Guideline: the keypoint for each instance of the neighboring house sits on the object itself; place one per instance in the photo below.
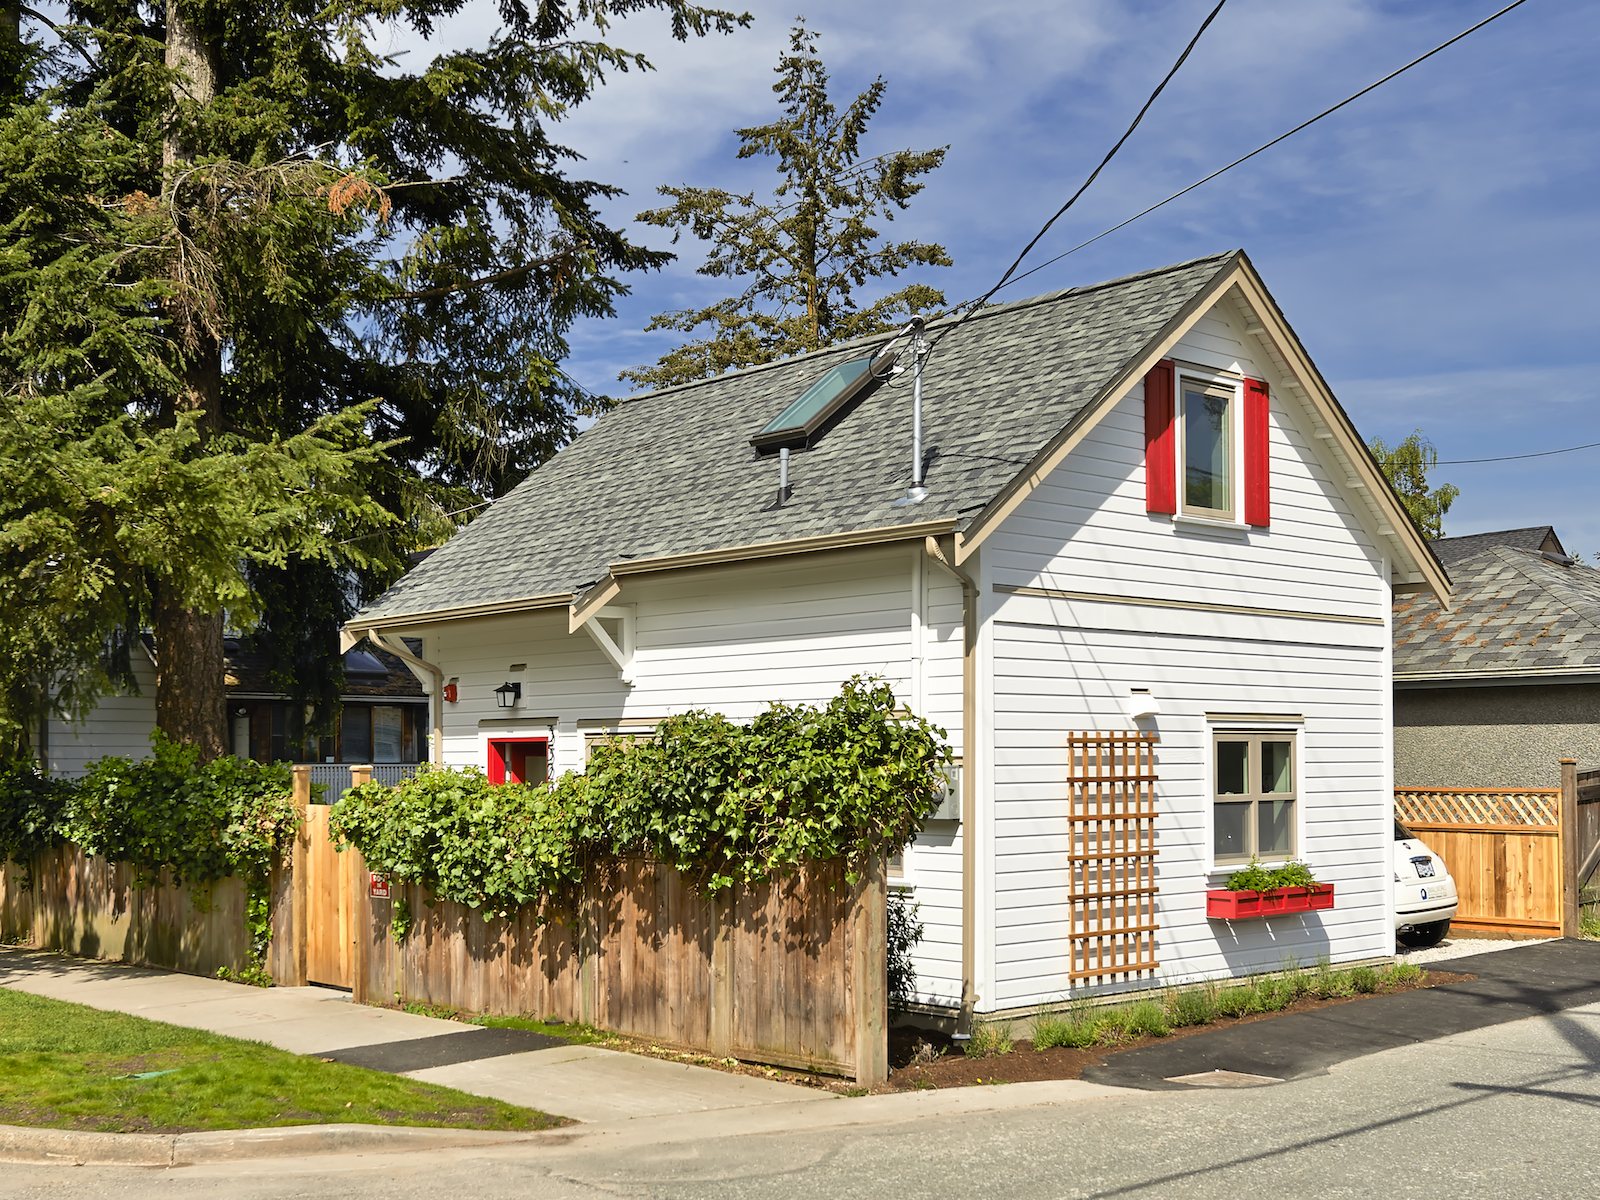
(1061, 574)
(383, 718)
(1496, 689)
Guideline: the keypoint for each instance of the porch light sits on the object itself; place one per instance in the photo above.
(508, 695)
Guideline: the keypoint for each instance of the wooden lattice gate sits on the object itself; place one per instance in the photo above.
(1502, 845)
(1111, 854)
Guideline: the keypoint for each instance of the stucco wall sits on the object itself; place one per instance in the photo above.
(1494, 736)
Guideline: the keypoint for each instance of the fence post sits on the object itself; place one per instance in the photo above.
(298, 896)
(1569, 847)
(360, 775)
(869, 932)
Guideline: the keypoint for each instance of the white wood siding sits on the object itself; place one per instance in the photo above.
(733, 640)
(1062, 664)
(119, 725)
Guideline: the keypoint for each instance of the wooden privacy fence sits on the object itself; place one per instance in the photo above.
(1503, 846)
(92, 908)
(790, 973)
(1111, 852)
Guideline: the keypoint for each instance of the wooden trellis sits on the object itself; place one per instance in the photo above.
(1479, 808)
(1111, 853)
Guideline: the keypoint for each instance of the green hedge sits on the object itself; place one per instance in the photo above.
(198, 823)
(852, 780)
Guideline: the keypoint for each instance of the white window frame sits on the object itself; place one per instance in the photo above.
(1214, 382)
(1290, 729)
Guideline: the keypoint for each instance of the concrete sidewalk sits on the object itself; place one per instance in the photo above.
(586, 1083)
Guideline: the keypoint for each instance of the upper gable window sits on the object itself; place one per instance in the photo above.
(805, 419)
(1208, 422)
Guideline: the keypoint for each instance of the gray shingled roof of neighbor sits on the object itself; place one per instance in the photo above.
(1514, 611)
(672, 472)
(1532, 537)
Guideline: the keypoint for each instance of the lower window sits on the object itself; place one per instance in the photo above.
(1253, 796)
(519, 760)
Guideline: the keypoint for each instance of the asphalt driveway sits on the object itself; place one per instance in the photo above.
(1508, 985)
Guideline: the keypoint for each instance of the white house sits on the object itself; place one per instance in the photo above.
(1058, 575)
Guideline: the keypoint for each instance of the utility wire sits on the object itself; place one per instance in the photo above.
(1327, 112)
(1461, 462)
(974, 305)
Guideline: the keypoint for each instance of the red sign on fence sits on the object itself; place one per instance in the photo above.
(377, 885)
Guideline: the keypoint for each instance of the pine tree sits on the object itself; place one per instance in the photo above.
(274, 302)
(806, 254)
(1406, 465)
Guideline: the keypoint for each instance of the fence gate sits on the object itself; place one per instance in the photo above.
(1502, 846)
(330, 899)
(1111, 853)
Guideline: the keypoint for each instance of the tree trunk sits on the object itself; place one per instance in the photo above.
(191, 705)
(190, 701)
(10, 50)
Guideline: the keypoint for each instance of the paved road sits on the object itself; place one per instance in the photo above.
(1505, 1110)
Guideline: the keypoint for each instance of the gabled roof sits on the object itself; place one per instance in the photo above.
(670, 478)
(1522, 609)
(1537, 538)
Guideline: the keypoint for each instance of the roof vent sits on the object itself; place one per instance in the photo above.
(803, 421)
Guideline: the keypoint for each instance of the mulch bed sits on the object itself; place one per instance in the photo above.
(911, 1068)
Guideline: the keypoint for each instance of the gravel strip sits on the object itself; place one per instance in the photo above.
(1454, 947)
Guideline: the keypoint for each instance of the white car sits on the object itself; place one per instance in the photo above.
(1424, 893)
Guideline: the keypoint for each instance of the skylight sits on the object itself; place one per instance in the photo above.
(798, 424)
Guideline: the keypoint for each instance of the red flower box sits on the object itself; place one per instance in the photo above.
(1221, 904)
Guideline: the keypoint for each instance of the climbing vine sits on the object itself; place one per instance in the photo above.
(724, 803)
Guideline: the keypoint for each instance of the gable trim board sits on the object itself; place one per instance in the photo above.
(1393, 523)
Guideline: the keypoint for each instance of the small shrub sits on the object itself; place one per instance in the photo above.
(904, 932)
(1401, 974)
(1256, 878)
(1364, 980)
(1325, 983)
(1192, 1006)
(1148, 1018)
(30, 804)
(1273, 994)
(1295, 982)
(988, 1041)
(1240, 1000)
(1076, 1029)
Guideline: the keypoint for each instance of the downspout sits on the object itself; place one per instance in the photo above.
(946, 558)
(426, 672)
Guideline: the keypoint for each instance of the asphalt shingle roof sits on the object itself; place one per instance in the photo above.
(672, 472)
(1532, 537)
(1515, 609)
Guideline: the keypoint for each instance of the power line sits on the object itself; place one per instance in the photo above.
(972, 306)
(1354, 96)
(1461, 462)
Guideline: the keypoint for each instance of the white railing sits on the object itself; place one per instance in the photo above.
(335, 777)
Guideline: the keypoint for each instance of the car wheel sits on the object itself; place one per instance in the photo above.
(1420, 937)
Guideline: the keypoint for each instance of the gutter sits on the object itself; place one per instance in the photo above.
(430, 675)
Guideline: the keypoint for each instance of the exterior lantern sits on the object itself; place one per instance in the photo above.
(508, 694)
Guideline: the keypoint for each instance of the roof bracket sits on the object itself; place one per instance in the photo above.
(617, 642)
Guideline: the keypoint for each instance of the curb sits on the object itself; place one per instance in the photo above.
(68, 1147)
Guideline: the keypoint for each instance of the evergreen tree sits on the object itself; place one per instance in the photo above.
(803, 255)
(242, 255)
(1406, 465)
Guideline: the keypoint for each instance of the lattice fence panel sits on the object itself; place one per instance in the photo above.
(1111, 782)
(1478, 806)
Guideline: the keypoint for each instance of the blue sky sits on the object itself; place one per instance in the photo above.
(1435, 245)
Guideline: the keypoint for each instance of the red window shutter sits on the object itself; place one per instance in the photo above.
(1257, 456)
(497, 762)
(1160, 447)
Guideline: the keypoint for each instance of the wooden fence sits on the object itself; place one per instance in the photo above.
(1502, 846)
(791, 973)
(92, 908)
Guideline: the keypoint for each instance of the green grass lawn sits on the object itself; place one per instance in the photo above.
(72, 1067)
